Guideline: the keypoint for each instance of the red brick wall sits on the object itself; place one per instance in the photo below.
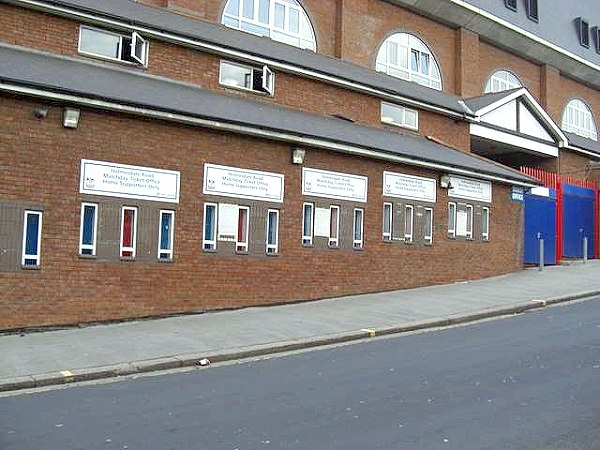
(45, 167)
(492, 58)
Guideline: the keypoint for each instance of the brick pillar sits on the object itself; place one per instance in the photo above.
(550, 91)
(468, 78)
(350, 27)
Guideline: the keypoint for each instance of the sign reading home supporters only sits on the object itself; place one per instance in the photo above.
(120, 180)
(409, 187)
(341, 186)
(243, 183)
(470, 189)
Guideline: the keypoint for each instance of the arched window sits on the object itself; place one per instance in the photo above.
(281, 20)
(577, 118)
(501, 80)
(405, 56)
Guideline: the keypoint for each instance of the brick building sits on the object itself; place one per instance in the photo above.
(166, 157)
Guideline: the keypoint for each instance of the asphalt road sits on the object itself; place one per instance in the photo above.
(525, 382)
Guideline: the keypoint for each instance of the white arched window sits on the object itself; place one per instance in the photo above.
(577, 118)
(281, 20)
(405, 56)
(501, 80)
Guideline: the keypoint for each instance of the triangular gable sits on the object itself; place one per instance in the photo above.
(518, 112)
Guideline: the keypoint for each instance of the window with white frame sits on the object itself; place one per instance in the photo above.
(88, 229)
(405, 56)
(387, 221)
(334, 226)
(243, 229)
(240, 76)
(357, 241)
(32, 238)
(399, 115)
(408, 223)
(502, 80)
(128, 231)
(307, 223)
(281, 20)
(469, 231)
(165, 235)
(578, 118)
(272, 231)
(485, 223)
(428, 225)
(209, 239)
(451, 220)
(131, 48)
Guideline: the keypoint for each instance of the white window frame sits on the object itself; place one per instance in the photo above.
(401, 111)
(358, 243)
(334, 241)
(578, 118)
(502, 80)
(394, 58)
(89, 247)
(210, 245)
(307, 239)
(303, 38)
(452, 220)
(136, 38)
(409, 210)
(26, 257)
(428, 238)
(388, 236)
(167, 252)
(122, 248)
(268, 78)
(485, 231)
(242, 246)
(272, 248)
(469, 231)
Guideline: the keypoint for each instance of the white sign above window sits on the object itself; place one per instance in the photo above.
(243, 183)
(119, 180)
(470, 189)
(341, 186)
(409, 187)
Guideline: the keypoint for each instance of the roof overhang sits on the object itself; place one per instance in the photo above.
(518, 122)
(460, 14)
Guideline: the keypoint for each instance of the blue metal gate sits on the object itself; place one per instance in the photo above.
(578, 221)
(540, 223)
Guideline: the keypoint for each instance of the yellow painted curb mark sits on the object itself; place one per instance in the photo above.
(67, 374)
(371, 332)
(543, 302)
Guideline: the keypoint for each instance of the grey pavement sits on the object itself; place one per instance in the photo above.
(100, 351)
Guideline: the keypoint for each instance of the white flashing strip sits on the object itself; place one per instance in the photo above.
(224, 51)
(523, 92)
(582, 151)
(525, 33)
(254, 131)
(511, 139)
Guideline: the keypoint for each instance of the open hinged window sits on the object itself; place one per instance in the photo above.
(240, 76)
(131, 48)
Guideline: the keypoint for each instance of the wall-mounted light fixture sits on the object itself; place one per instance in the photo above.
(445, 182)
(70, 118)
(298, 155)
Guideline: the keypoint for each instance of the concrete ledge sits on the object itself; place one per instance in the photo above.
(191, 360)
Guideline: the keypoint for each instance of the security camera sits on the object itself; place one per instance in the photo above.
(40, 113)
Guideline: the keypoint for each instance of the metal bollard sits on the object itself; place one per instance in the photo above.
(585, 249)
(541, 255)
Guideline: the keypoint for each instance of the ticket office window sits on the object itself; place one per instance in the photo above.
(232, 228)
(408, 222)
(333, 224)
(126, 230)
(468, 221)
